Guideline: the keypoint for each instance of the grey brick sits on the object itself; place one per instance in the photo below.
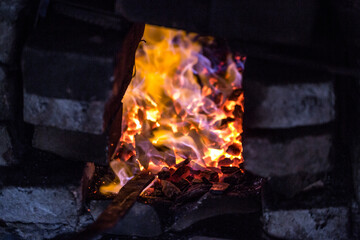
(65, 114)
(267, 158)
(141, 220)
(6, 151)
(10, 28)
(72, 145)
(44, 192)
(288, 105)
(8, 36)
(317, 223)
(10, 9)
(8, 95)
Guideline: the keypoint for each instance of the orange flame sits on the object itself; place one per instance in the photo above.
(177, 106)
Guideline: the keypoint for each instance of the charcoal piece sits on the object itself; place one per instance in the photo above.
(183, 163)
(182, 184)
(197, 181)
(181, 172)
(205, 181)
(169, 189)
(222, 124)
(211, 176)
(229, 170)
(214, 177)
(125, 151)
(189, 178)
(235, 94)
(219, 188)
(193, 193)
(225, 162)
(234, 149)
(235, 178)
(164, 174)
(195, 172)
(238, 112)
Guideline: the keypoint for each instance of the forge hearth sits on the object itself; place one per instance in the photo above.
(294, 173)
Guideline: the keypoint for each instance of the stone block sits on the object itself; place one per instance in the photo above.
(64, 114)
(10, 9)
(288, 105)
(72, 145)
(8, 36)
(6, 151)
(355, 218)
(8, 95)
(282, 96)
(10, 27)
(316, 223)
(355, 154)
(142, 220)
(269, 157)
(44, 191)
(68, 80)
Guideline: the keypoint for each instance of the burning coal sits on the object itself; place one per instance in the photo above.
(185, 103)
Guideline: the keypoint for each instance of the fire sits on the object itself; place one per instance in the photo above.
(185, 102)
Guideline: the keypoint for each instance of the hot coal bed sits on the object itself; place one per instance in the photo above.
(66, 65)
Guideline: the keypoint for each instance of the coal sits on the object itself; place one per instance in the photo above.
(164, 174)
(238, 112)
(169, 189)
(219, 188)
(193, 193)
(225, 162)
(229, 170)
(234, 149)
(235, 94)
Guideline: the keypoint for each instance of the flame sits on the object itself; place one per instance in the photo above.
(179, 105)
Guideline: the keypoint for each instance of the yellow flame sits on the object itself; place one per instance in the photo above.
(170, 101)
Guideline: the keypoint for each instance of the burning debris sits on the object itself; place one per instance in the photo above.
(182, 113)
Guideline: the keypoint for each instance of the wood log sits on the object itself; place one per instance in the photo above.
(118, 208)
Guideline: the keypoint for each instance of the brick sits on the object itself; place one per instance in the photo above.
(43, 191)
(8, 95)
(38, 231)
(11, 13)
(10, 9)
(288, 105)
(8, 36)
(355, 218)
(316, 223)
(279, 95)
(142, 220)
(68, 80)
(72, 145)
(64, 114)
(256, 21)
(355, 155)
(267, 157)
(6, 151)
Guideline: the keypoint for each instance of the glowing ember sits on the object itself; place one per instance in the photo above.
(185, 102)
